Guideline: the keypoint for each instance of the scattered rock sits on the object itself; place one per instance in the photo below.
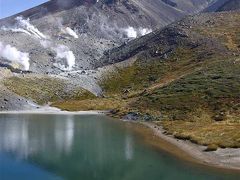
(133, 116)
(211, 147)
(114, 111)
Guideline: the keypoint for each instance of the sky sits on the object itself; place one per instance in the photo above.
(11, 7)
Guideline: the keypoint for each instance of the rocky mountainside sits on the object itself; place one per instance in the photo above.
(84, 29)
(58, 43)
(155, 8)
(224, 5)
(64, 40)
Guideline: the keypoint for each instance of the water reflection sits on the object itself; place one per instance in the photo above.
(87, 147)
(23, 137)
(129, 147)
(14, 137)
(64, 133)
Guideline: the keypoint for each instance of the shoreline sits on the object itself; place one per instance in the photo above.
(227, 159)
(49, 110)
(54, 112)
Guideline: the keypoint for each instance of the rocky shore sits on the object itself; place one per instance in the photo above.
(228, 158)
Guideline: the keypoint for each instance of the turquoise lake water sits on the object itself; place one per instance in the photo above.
(86, 147)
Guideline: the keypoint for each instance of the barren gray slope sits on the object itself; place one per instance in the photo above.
(101, 26)
(224, 5)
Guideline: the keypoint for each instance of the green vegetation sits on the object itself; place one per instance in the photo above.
(90, 104)
(193, 90)
(136, 77)
(206, 132)
(201, 106)
(45, 89)
(144, 73)
(215, 88)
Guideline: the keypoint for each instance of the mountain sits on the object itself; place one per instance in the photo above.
(185, 77)
(165, 10)
(60, 35)
(129, 56)
(100, 26)
(224, 5)
(63, 43)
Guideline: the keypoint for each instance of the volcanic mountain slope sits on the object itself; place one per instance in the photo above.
(160, 10)
(224, 5)
(65, 39)
(230, 5)
(187, 76)
(88, 28)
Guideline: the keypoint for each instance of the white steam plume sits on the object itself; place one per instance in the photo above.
(103, 27)
(66, 30)
(134, 33)
(12, 54)
(46, 43)
(16, 30)
(131, 32)
(63, 52)
(144, 31)
(71, 32)
(25, 24)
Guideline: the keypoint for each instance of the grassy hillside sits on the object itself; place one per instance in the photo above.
(214, 88)
(186, 78)
(45, 89)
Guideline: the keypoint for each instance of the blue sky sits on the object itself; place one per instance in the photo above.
(11, 7)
